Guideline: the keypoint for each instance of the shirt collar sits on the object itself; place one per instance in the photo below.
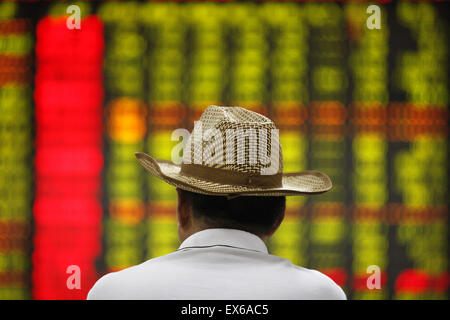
(225, 237)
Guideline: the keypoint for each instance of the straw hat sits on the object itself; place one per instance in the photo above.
(232, 152)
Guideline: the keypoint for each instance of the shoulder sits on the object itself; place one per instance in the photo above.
(322, 287)
(121, 284)
(309, 283)
(102, 288)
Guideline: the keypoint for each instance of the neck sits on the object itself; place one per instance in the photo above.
(197, 227)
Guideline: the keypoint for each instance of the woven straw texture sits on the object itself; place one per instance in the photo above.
(243, 143)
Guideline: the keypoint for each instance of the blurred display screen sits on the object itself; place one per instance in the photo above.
(366, 105)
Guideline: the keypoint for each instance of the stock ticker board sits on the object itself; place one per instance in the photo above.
(367, 106)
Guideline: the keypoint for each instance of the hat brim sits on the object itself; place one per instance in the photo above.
(298, 183)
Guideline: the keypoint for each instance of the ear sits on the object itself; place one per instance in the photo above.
(276, 225)
(183, 209)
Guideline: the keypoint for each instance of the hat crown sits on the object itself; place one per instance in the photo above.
(235, 139)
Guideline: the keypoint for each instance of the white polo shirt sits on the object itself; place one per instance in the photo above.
(217, 264)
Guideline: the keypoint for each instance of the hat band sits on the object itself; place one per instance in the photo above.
(230, 177)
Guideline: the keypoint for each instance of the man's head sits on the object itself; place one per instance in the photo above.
(260, 215)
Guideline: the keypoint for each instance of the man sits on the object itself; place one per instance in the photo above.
(231, 198)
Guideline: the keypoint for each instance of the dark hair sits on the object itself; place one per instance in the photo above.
(255, 214)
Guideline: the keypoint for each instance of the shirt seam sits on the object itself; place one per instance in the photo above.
(219, 245)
